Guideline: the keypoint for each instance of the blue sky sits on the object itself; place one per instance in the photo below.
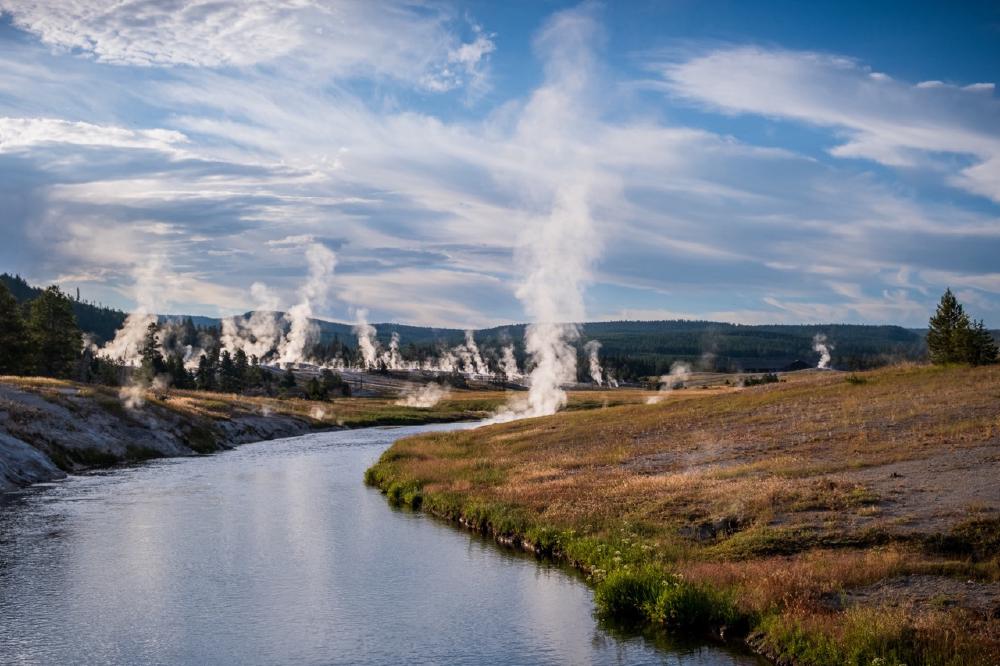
(752, 162)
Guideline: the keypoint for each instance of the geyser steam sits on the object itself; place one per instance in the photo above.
(127, 343)
(260, 333)
(367, 345)
(823, 348)
(680, 372)
(592, 349)
(555, 253)
(302, 332)
(422, 397)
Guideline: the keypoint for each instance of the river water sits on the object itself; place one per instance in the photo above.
(276, 553)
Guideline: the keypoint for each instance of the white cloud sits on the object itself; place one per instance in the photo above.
(879, 118)
(347, 38)
(23, 133)
(250, 164)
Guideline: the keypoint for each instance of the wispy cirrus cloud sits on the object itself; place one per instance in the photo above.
(116, 144)
(875, 116)
(346, 39)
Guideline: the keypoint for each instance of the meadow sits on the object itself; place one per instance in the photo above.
(830, 518)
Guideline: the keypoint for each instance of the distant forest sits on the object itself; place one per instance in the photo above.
(631, 350)
(99, 321)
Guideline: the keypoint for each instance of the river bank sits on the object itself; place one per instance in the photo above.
(49, 428)
(828, 519)
(276, 553)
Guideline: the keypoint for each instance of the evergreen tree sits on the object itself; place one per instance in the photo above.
(54, 337)
(229, 381)
(152, 362)
(288, 379)
(254, 374)
(13, 335)
(241, 369)
(179, 375)
(266, 380)
(315, 390)
(983, 348)
(948, 331)
(188, 333)
(104, 371)
(207, 364)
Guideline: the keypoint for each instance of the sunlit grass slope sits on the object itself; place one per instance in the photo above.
(828, 519)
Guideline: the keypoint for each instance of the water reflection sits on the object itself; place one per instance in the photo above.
(276, 553)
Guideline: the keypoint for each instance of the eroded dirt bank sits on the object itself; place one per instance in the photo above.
(47, 431)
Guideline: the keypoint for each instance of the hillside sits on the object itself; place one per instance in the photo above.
(828, 519)
(630, 349)
(98, 320)
(637, 349)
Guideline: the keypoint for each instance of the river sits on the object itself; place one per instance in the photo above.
(276, 553)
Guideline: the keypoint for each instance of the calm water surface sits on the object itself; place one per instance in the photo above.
(276, 553)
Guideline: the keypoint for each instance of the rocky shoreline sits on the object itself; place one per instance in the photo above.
(45, 434)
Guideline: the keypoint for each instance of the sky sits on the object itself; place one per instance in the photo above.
(770, 162)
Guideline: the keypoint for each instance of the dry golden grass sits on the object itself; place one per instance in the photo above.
(783, 495)
(352, 412)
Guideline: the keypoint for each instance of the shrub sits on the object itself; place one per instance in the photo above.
(629, 595)
(767, 378)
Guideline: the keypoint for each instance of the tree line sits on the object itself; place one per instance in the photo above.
(42, 338)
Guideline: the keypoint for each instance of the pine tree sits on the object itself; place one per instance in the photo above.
(189, 333)
(953, 338)
(13, 335)
(983, 348)
(254, 374)
(152, 362)
(179, 375)
(55, 339)
(205, 375)
(241, 369)
(948, 331)
(288, 379)
(228, 380)
(315, 390)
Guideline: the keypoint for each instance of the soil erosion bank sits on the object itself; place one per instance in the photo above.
(828, 519)
(51, 427)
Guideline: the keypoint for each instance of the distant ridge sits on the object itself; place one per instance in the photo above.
(632, 348)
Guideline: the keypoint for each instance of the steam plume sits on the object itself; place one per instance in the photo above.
(127, 343)
(260, 333)
(556, 251)
(592, 348)
(302, 332)
(508, 363)
(679, 373)
(423, 397)
(391, 357)
(367, 345)
(472, 360)
(821, 346)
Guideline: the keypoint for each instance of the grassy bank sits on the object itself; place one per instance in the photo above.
(345, 412)
(827, 519)
(80, 426)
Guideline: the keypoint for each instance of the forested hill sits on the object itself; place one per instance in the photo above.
(642, 348)
(631, 349)
(634, 349)
(98, 320)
